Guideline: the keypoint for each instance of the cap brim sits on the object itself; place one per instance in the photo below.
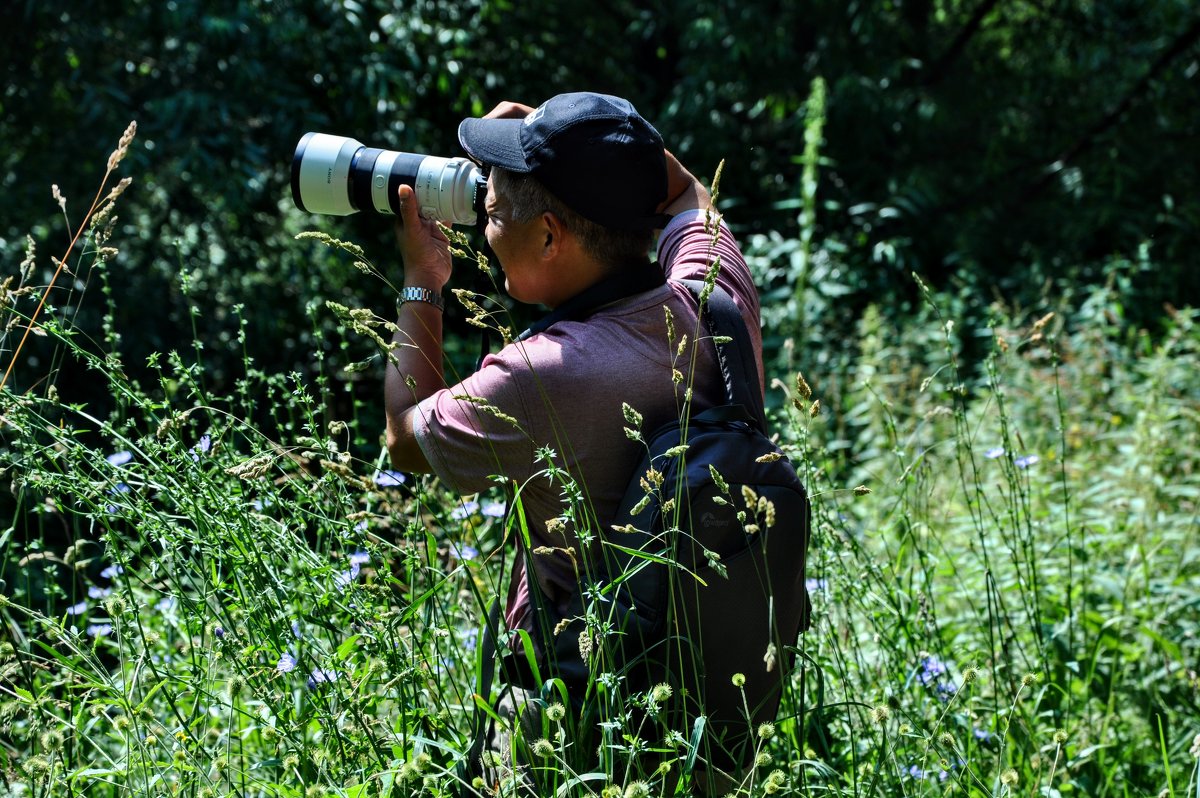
(494, 142)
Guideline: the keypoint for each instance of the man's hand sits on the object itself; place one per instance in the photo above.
(684, 191)
(509, 110)
(423, 247)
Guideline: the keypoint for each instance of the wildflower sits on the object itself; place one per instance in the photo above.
(296, 629)
(816, 585)
(994, 452)
(320, 676)
(914, 772)
(77, 609)
(218, 632)
(638, 789)
(343, 579)
(766, 731)
(1026, 461)
(738, 680)
(465, 510)
(861, 490)
(360, 558)
(98, 592)
(99, 630)
(469, 639)
(660, 693)
(115, 605)
(931, 669)
(389, 479)
(202, 447)
(492, 509)
(1009, 778)
(119, 459)
(556, 712)
(1195, 749)
(543, 748)
(880, 715)
(1060, 736)
(36, 766)
(775, 782)
(466, 552)
(286, 664)
(53, 740)
(983, 735)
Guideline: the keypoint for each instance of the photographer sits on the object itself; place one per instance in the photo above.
(576, 190)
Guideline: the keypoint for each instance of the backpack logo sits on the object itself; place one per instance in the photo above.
(711, 520)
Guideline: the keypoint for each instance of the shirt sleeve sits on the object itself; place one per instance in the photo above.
(478, 429)
(690, 243)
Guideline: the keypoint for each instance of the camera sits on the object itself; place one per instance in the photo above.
(338, 176)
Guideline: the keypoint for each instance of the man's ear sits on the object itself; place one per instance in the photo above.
(553, 235)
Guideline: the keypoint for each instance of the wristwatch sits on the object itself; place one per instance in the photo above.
(411, 294)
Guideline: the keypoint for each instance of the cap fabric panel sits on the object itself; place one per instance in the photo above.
(592, 151)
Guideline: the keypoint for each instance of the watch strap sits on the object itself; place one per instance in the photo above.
(413, 294)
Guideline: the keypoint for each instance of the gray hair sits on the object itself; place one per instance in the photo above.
(527, 198)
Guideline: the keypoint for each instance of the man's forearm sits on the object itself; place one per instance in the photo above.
(414, 372)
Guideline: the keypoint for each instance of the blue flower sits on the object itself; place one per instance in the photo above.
(983, 735)
(994, 452)
(389, 479)
(464, 510)
(286, 664)
(98, 592)
(493, 509)
(931, 669)
(467, 552)
(319, 676)
(119, 459)
(218, 631)
(342, 580)
(202, 447)
(914, 772)
(112, 571)
(1026, 461)
(296, 629)
(99, 630)
(360, 558)
(77, 609)
(469, 638)
(816, 585)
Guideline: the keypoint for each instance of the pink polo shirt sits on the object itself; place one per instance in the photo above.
(562, 390)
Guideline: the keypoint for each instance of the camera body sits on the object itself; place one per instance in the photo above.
(338, 176)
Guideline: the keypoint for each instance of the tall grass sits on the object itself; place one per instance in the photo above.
(1004, 569)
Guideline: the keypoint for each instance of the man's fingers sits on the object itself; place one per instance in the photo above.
(509, 110)
(408, 205)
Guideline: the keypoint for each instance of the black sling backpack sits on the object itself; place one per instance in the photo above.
(703, 580)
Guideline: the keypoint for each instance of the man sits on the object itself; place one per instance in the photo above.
(575, 191)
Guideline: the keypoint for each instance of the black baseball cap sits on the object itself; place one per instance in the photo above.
(592, 151)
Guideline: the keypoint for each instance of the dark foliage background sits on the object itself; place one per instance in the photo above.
(999, 149)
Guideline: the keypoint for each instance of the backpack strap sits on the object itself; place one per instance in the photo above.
(736, 357)
(634, 279)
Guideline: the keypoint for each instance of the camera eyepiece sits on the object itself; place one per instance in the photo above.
(338, 176)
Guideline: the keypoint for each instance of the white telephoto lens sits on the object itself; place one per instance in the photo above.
(446, 189)
(324, 174)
